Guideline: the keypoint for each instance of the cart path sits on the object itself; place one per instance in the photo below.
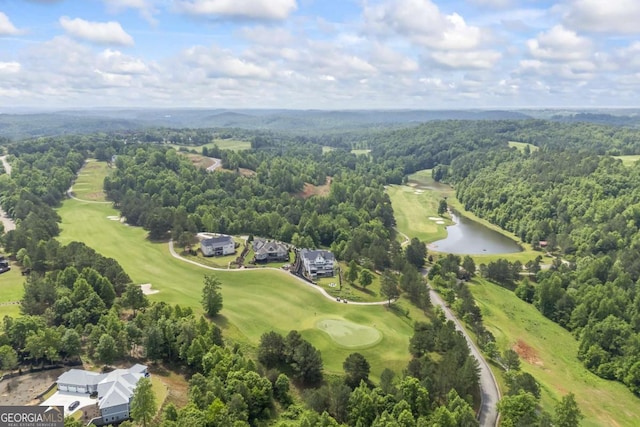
(240, 270)
(489, 391)
(7, 221)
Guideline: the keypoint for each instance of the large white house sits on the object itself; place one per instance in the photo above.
(115, 389)
(218, 246)
(317, 263)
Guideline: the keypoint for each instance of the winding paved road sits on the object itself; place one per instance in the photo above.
(6, 220)
(489, 391)
(240, 270)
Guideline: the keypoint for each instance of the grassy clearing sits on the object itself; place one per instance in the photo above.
(520, 146)
(327, 149)
(629, 160)
(88, 184)
(11, 290)
(160, 390)
(223, 144)
(255, 300)
(359, 152)
(551, 358)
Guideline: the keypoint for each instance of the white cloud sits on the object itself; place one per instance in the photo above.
(481, 59)
(560, 44)
(147, 8)
(215, 62)
(98, 32)
(267, 35)
(6, 27)
(9, 67)
(612, 16)
(114, 62)
(248, 9)
(391, 61)
(422, 22)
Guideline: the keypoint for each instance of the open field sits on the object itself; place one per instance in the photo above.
(550, 356)
(520, 146)
(629, 160)
(254, 300)
(359, 152)
(11, 290)
(88, 184)
(223, 144)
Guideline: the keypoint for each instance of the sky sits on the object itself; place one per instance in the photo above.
(319, 54)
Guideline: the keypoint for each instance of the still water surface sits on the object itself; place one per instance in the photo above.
(467, 237)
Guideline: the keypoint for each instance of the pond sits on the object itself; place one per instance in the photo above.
(468, 237)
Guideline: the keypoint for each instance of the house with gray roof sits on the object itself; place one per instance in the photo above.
(114, 389)
(317, 263)
(218, 246)
(270, 250)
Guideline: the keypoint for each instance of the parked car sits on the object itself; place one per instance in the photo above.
(74, 405)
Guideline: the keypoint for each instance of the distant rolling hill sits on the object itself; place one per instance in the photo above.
(26, 125)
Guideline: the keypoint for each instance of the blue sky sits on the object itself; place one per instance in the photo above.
(325, 54)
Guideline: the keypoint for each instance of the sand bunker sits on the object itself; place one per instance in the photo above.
(348, 334)
(440, 222)
(419, 191)
(114, 217)
(435, 218)
(146, 289)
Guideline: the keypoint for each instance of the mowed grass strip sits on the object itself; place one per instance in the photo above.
(255, 301)
(11, 290)
(552, 358)
(412, 211)
(629, 160)
(521, 146)
(90, 181)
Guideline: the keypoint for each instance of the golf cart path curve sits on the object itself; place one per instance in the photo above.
(489, 391)
(7, 221)
(240, 270)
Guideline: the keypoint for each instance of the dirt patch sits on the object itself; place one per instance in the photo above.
(199, 161)
(313, 190)
(528, 353)
(22, 390)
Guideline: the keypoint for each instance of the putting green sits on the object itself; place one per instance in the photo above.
(348, 334)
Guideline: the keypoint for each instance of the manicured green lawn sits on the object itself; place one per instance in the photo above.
(11, 290)
(552, 358)
(412, 208)
(628, 160)
(223, 144)
(88, 184)
(255, 300)
(520, 146)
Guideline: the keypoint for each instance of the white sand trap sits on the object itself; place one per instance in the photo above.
(435, 218)
(419, 191)
(440, 222)
(412, 184)
(114, 217)
(146, 289)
